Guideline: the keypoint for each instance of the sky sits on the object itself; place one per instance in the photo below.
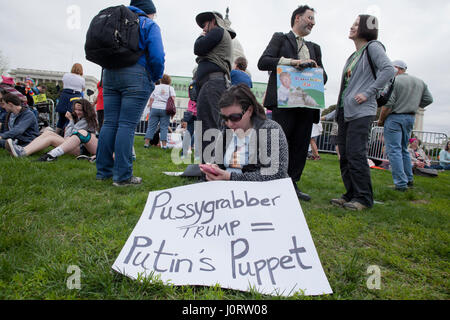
(50, 35)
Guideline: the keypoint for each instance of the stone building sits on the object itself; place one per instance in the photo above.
(46, 76)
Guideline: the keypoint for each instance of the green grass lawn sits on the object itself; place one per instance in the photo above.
(53, 215)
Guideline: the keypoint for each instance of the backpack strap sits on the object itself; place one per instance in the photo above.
(371, 62)
(372, 67)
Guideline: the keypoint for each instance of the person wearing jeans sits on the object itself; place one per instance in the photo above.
(158, 115)
(398, 116)
(125, 94)
(397, 130)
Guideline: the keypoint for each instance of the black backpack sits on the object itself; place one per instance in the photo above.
(112, 40)
(386, 93)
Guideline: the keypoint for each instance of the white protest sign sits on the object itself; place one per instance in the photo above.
(239, 235)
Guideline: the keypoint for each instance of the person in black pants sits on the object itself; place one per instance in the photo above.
(214, 51)
(357, 107)
(291, 49)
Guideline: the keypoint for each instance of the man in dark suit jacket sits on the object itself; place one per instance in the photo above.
(291, 49)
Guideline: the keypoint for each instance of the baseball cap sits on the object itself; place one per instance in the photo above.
(400, 64)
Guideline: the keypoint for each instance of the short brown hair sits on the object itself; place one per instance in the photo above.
(166, 79)
(11, 98)
(77, 68)
(241, 63)
(368, 27)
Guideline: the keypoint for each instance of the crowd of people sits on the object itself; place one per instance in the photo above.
(250, 141)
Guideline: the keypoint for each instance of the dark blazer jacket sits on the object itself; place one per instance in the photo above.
(285, 45)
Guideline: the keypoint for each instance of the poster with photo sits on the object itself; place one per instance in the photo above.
(300, 89)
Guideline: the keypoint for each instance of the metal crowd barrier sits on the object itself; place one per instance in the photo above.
(142, 126)
(325, 141)
(430, 142)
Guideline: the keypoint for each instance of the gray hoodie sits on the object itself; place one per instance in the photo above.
(79, 125)
(363, 81)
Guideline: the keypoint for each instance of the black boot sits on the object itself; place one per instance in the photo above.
(301, 195)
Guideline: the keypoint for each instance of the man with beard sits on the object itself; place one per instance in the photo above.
(292, 50)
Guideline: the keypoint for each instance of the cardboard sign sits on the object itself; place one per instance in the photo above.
(40, 98)
(240, 235)
(300, 89)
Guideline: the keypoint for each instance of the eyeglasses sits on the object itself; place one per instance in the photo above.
(234, 117)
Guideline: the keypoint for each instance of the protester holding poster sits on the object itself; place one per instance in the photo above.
(255, 149)
(357, 108)
(291, 49)
(297, 88)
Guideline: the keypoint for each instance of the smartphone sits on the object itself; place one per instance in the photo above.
(207, 168)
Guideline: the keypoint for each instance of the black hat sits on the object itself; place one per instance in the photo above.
(210, 15)
(145, 5)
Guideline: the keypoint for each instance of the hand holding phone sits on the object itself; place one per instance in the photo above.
(208, 169)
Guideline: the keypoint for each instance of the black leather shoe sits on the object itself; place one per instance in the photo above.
(303, 196)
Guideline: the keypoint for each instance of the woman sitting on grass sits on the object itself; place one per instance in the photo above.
(419, 159)
(78, 133)
(255, 149)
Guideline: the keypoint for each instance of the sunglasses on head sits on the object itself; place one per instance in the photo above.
(234, 117)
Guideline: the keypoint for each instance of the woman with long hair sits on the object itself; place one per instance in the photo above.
(80, 132)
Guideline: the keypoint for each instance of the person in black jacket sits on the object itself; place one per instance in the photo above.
(291, 49)
(214, 57)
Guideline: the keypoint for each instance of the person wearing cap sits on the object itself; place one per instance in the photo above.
(398, 116)
(214, 58)
(8, 85)
(125, 95)
(292, 49)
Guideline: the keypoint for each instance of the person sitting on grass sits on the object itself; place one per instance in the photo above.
(419, 159)
(19, 124)
(249, 154)
(444, 157)
(80, 132)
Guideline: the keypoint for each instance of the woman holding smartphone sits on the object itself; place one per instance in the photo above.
(254, 147)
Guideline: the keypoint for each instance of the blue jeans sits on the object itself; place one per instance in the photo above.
(397, 131)
(158, 116)
(125, 92)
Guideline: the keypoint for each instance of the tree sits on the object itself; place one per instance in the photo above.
(328, 110)
(4, 63)
(52, 90)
